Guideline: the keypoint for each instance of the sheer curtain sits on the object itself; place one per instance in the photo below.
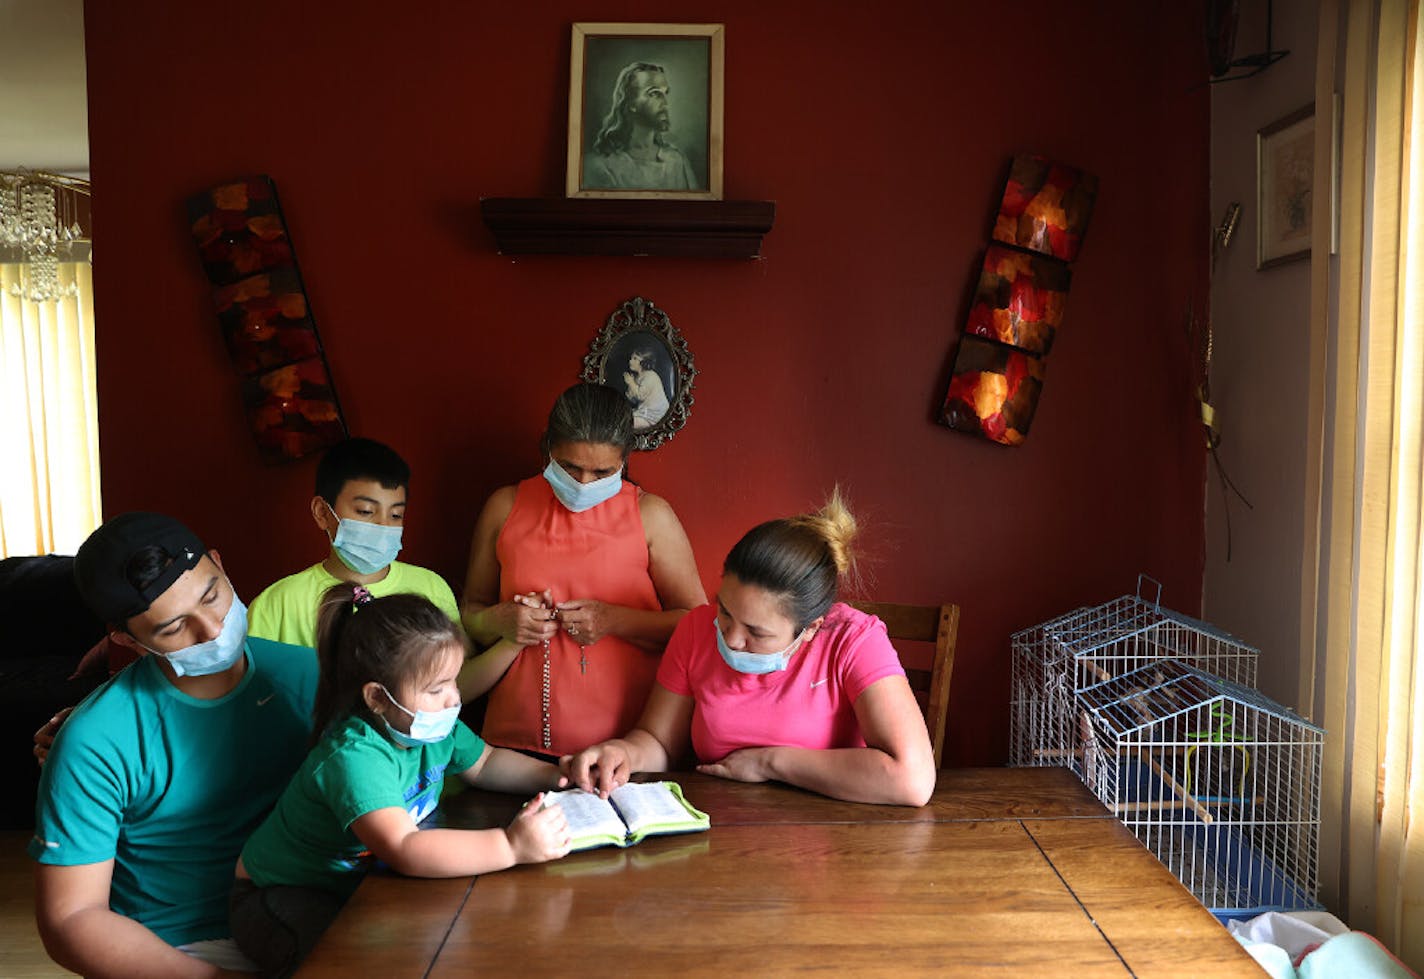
(49, 437)
(1363, 608)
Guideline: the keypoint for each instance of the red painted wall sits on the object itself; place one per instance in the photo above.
(883, 132)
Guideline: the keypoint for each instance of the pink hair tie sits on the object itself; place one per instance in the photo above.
(360, 595)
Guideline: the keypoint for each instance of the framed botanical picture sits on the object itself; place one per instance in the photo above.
(645, 111)
(1285, 175)
(641, 355)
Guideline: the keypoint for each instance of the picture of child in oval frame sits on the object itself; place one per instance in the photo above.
(640, 366)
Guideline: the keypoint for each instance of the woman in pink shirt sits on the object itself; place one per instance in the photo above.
(780, 681)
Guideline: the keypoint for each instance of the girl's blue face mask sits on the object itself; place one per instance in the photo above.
(576, 496)
(426, 726)
(755, 663)
(364, 547)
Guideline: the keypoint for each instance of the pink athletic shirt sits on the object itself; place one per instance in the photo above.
(810, 704)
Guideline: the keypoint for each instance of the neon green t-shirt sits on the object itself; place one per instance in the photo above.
(353, 770)
(286, 611)
(169, 786)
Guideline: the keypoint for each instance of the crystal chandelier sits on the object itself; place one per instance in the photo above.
(40, 223)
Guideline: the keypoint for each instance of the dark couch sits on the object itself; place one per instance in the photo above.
(44, 632)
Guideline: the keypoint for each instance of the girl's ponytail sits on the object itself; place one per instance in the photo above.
(361, 640)
(337, 607)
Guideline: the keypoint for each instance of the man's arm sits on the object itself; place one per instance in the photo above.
(83, 935)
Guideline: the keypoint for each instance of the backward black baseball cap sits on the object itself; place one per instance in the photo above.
(102, 563)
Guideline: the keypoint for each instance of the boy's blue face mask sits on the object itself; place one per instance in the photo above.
(364, 547)
(755, 663)
(577, 496)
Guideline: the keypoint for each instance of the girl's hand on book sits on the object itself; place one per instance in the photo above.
(538, 833)
(742, 765)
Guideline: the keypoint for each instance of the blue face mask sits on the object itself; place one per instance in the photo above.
(754, 663)
(364, 547)
(215, 655)
(577, 496)
(426, 726)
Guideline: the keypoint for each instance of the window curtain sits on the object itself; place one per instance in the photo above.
(1363, 539)
(49, 432)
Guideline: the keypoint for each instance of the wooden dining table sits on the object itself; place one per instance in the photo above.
(1007, 871)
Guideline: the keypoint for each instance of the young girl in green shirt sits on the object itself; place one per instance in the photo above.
(386, 731)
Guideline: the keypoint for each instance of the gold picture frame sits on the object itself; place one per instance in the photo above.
(1285, 180)
(645, 111)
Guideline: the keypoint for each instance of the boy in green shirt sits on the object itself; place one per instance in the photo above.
(359, 505)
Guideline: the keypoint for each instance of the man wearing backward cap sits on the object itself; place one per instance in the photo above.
(156, 780)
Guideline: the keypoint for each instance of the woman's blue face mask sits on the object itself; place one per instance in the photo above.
(755, 663)
(576, 496)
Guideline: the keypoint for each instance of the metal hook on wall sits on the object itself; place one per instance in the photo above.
(1222, 233)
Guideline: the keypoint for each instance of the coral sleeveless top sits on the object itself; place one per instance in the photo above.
(601, 553)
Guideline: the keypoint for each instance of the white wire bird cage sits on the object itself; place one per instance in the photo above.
(1221, 783)
(1055, 661)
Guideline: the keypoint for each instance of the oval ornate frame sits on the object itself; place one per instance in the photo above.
(635, 316)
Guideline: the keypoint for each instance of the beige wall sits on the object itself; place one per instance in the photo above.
(1260, 368)
(43, 118)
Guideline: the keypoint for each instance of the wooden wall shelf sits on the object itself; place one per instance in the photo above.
(578, 226)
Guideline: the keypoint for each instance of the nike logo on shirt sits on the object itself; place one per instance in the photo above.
(264, 700)
(816, 683)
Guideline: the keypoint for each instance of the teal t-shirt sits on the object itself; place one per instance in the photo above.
(353, 770)
(286, 610)
(169, 786)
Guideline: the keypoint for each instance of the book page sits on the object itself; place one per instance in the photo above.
(655, 807)
(589, 816)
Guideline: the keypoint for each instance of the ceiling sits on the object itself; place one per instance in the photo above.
(43, 107)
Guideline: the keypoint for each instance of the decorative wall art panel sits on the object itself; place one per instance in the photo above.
(239, 229)
(1046, 207)
(1020, 299)
(293, 410)
(993, 391)
(266, 319)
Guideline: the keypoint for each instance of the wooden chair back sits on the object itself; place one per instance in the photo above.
(937, 624)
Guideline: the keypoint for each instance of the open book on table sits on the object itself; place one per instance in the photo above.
(631, 812)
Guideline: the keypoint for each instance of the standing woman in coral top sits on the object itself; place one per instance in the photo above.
(586, 574)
